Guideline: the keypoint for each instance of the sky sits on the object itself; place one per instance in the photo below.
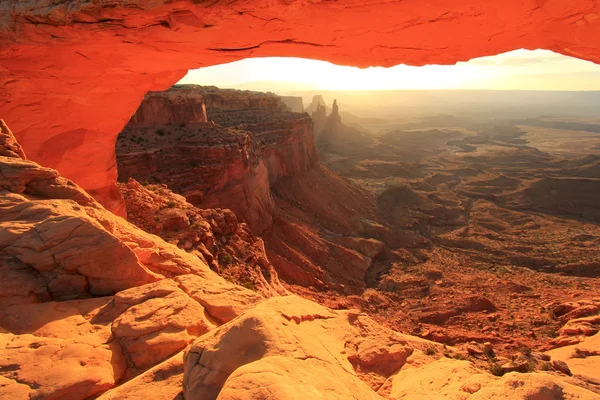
(515, 70)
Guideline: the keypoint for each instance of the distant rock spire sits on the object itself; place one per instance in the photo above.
(335, 113)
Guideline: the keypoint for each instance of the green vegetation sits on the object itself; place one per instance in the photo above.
(525, 350)
(160, 132)
(489, 353)
(248, 285)
(495, 369)
(546, 366)
(430, 350)
(226, 258)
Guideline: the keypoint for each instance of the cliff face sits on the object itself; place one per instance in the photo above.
(218, 100)
(216, 236)
(171, 107)
(262, 164)
(232, 163)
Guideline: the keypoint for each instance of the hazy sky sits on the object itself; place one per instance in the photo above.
(519, 69)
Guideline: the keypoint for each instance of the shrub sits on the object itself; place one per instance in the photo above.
(527, 367)
(430, 350)
(546, 366)
(489, 353)
(171, 204)
(160, 132)
(226, 258)
(248, 285)
(526, 350)
(495, 369)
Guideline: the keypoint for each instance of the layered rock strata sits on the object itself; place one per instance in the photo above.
(214, 235)
(231, 162)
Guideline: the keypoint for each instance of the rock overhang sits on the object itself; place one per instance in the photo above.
(74, 72)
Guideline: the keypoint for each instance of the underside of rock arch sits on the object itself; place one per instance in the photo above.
(73, 72)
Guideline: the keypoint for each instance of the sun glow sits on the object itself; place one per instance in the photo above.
(519, 69)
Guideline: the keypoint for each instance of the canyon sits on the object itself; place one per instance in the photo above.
(164, 325)
(344, 245)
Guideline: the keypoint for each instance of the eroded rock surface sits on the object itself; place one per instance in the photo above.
(231, 162)
(60, 248)
(190, 333)
(214, 235)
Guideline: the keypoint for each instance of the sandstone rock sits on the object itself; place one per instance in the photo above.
(222, 302)
(317, 101)
(454, 379)
(253, 144)
(160, 321)
(580, 319)
(580, 359)
(58, 368)
(59, 239)
(335, 113)
(280, 378)
(96, 342)
(561, 366)
(8, 143)
(332, 136)
(214, 235)
(171, 107)
(289, 335)
(163, 381)
(59, 243)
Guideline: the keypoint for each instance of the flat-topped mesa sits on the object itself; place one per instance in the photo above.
(314, 104)
(217, 99)
(230, 162)
(319, 117)
(294, 103)
(180, 106)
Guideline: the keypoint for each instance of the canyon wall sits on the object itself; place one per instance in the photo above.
(171, 107)
(73, 73)
(231, 162)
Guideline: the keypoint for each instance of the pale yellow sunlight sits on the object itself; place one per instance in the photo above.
(515, 70)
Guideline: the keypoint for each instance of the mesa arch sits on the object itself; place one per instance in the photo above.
(73, 72)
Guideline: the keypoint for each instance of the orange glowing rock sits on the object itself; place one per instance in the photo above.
(73, 73)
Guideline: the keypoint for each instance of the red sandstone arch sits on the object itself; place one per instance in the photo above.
(73, 73)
